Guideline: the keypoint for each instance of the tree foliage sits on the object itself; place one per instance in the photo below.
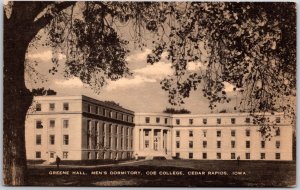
(175, 111)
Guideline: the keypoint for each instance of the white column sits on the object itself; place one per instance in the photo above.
(140, 140)
(161, 139)
(169, 136)
(151, 139)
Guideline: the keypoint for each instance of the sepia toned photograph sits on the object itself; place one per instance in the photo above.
(149, 94)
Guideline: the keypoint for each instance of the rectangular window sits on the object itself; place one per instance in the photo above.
(177, 133)
(247, 120)
(191, 134)
(65, 123)
(177, 155)
(218, 133)
(51, 107)
(65, 106)
(277, 144)
(157, 120)
(166, 120)
(278, 132)
(178, 121)
(247, 144)
(262, 144)
(232, 120)
(38, 124)
(38, 107)
(204, 155)
(111, 114)
(103, 111)
(89, 108)
(204, 143)
(233, 156)
(219, 155)
(38, 139)
(177, 144)
(277, 156)
(66, 140)
(191, 121)
(89, 155)
(65, 155)
(233, 133)
(218, 144)
(204, 133)
(52, 123)
(110, 128)
(204, 121)
(277, 119)
(190, 144)
(147, 120)
(232, 144)
(52, 139)
(38, 155)
(248, 132)
(191, 155)
(146, 133)
(218, 120)
(247, 156)
(146, 143)
(262, 156)
(51, 154)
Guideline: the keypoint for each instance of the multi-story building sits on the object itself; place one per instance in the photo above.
(223, 136)
(78, 128)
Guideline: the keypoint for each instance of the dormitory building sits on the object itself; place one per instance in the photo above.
(83, 128)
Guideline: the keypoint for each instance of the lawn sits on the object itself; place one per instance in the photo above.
(182, 173)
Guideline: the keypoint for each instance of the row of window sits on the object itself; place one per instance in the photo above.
(110, 155)
(108, 113)
(204, 121)
(112, 143)
(232, 155)
(219, 133)
(112, 129)
(51, 107)
(52, 123)
(233, 144)
(38, 139)
(38, 154)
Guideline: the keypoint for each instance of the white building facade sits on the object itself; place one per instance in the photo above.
(77, 128)
(224, 136)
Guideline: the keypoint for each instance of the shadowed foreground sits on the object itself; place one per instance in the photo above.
(169, 173)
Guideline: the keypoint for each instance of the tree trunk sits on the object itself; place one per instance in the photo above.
(17, 99)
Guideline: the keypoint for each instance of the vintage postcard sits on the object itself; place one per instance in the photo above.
(149, 94)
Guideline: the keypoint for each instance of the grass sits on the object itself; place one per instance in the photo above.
(254, 174)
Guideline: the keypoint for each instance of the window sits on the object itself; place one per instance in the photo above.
(110, 128)
(177, 155)
(219, 155)
(38, 155)
(277, 156)
(166, 120)
(157, 120)
(66, 106)
(147, 119)
(111, 115)
(190, 144)
(262, 144)
(51, 154)
(218, 133)
(204, 143)
(247, 120)
(89, 155)
(278, 132)
(177, 144)
(204, 121)
(89, 108)
(277, 119)
(232, 120)
(52, 139)
(262, 156)
(51, 106)
(38, 139)
(97, 110)
(232, 144)
(204, 133)
(191, 155)
(178, 121)
(146, 143)
(247, 144)
(38, 107)
(248, 132)
(204, 155)
(146, 133)
(177, 133)
(103, 111)
(218, 120)
(109, 142)
(89, 126)
(65, 123)
(66, 140)
(277, 144)
(38, 124)
(233, 156)
(247, 155)
(65, 155)
(233, 133)
(218, 144)
(191, 134)
(52, 123)
(191, 121)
